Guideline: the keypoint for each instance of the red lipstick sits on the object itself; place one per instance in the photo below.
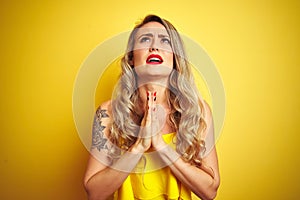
(154, 59)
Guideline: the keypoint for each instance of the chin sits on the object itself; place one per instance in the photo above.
(153, 73)
(153, 70)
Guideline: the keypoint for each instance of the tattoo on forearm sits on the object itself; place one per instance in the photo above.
(99, 141)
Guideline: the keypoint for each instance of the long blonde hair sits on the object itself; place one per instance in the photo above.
(187, 110)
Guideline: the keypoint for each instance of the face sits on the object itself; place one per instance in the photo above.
(152, 47)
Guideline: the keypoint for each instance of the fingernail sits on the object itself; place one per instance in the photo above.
(154, 94)
(154, 98)
(147, 93)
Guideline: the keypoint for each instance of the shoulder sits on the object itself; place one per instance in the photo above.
(208, 135)
(104, 111)
(207, 112)
(103, 116)
(101, 126)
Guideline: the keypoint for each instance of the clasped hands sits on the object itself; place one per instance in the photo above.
(150, 135)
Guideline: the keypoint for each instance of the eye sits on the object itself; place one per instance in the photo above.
(165, 41)
(145, 39)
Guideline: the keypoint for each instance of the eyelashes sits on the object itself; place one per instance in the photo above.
(147, 40)
(166, 40)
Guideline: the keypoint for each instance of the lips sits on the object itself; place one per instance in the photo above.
(154, 59)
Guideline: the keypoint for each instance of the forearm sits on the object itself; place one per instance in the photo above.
(200, 180)
(104, 183)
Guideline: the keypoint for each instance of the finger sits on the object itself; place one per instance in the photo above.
(153, 109)
(145, 129)
(154, 121)
(146, 118)
(160, 117)
(148, 112)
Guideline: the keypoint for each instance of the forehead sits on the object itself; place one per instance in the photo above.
(152, 27)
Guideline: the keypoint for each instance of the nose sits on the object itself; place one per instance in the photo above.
(153, 49)
(154, 46)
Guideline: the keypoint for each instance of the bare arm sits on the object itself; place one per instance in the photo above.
(103, 177)
(203, 181)
(101, 181)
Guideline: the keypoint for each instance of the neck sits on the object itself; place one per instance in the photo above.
(160, 94)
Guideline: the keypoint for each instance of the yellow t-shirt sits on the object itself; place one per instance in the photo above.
(159, 184)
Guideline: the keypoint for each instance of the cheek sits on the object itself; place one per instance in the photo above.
(170, 59)
(137, 57)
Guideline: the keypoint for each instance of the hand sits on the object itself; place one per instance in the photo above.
(150, 131)
(158, 118)
(143, 142)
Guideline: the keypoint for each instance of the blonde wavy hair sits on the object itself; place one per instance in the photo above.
(187, 110)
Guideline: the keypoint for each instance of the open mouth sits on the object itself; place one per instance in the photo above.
(154, 59)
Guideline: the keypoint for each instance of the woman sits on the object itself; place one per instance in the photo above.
(155, 139)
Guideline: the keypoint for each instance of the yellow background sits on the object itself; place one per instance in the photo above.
(255, 45)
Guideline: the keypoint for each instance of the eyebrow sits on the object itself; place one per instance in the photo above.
(151, 35)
